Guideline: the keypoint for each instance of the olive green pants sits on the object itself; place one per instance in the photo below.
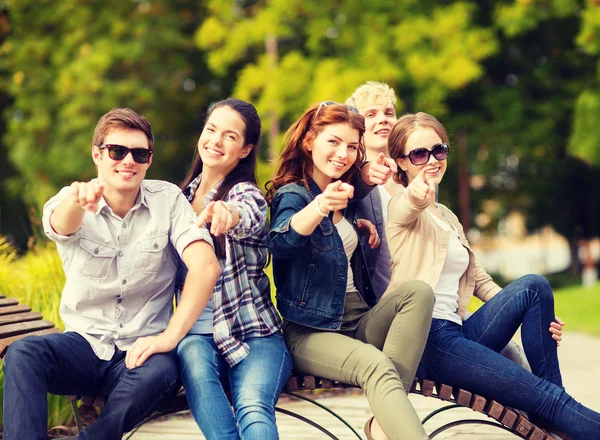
(381, 355)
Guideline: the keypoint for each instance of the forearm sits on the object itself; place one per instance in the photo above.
(197, 290)
(402, 212)
(305, 221)
(67, 218)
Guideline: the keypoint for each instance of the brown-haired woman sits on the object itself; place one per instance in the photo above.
(428, 243)
(331, 323)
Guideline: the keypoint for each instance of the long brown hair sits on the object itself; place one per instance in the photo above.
(245, 171)
(295, 162)
(402, 129)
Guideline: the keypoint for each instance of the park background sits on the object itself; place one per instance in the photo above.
(516, 82)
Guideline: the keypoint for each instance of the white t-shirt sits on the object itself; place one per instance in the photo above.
(350, 239)
(446, 290)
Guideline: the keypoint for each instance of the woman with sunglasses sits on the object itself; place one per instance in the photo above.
(428, 243)
(331, 323)
(236, 343)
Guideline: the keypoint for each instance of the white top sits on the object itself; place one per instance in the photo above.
(350, 240)
(446, 290)
(385, 201)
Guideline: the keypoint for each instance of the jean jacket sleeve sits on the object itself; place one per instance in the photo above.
(285, 240)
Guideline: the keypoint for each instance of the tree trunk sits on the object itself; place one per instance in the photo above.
(271, 48)
(463, 181)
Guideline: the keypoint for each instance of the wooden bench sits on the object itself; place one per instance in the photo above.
(502, 417)
(18, 321)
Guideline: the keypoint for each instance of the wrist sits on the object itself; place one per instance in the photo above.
(321, 212)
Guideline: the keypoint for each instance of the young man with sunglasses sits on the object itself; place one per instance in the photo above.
(119, 237)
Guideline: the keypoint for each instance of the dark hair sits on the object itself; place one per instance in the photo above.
(402, 129)
(122, 119)
(295, 163)
(245, 171)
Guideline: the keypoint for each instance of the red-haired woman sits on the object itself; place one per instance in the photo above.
(331, 323)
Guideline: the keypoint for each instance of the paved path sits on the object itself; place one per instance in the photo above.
(580, 363)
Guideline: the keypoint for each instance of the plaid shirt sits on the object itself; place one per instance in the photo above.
(242, 305)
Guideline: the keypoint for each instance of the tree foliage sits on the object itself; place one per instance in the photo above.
(71, 61)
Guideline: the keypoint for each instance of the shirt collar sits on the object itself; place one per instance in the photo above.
(193, 186)
(140, 200)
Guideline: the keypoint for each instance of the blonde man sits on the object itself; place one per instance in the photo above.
(376, 101)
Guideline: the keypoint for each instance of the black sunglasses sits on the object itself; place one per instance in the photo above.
(118, 152)
(420, 156)
(328, 103)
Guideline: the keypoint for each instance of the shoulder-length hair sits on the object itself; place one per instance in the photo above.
(295, 163)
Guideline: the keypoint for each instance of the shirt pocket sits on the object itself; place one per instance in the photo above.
(322, 237)
(153, 253)
(96, 259)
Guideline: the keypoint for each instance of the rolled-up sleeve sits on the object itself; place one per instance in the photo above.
(183, 226)
(252, 210)
(47, 211)
(285, 240)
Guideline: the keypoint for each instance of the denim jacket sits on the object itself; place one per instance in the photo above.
(310, 271)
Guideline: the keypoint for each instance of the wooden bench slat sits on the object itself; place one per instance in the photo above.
(523, 426)
(444, 391)
(326, 383)
(427, 388)
(509, 417)
(20, 317)
(24, 327)
(478, 403)
(8, 302)
(309, 383)
(9, 310)
(537, 434)
(292, 384)
(5, 343)
(494, 410)
(463, 397)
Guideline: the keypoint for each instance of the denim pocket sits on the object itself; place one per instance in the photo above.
(437, 325)
(96, 259)
(153, 253)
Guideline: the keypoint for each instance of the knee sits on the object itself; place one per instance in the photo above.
(377, 370)
(416, 292)
(22, 353)
(540, 286)
(196, 360)
(160, 371)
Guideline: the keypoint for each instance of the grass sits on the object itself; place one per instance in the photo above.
(36, 279)
(577, 306)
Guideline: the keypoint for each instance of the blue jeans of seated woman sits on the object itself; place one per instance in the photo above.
(467, 357)
(254, 383)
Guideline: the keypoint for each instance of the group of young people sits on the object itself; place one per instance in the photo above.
(372, 280)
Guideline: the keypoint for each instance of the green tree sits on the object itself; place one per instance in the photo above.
(427, 49)
(519, 119)
(69, 62)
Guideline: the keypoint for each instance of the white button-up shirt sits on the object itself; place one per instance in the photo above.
(121, 271)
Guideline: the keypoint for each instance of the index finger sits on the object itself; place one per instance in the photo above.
(391, 164)
(349, 189)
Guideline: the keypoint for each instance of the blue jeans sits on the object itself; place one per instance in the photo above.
(66, 364)
(255, 384)
(468, 357)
